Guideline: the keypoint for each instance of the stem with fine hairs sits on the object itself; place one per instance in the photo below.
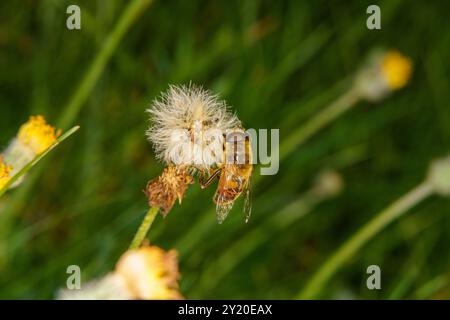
(144, 227)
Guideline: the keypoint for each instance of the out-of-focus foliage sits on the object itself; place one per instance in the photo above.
(277, 63)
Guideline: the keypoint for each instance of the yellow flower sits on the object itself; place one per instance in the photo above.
(384, 72)
(37, 134)
(34, 137)
(396, 69)
(150, 273)
(4, 173)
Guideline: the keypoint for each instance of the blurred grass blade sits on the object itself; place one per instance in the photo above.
(316, 123)
(130, 14)
(362, 236)
(76, 102)
(38, 158)
(236, 252)
(432, 287)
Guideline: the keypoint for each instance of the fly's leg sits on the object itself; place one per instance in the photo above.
(205, 183)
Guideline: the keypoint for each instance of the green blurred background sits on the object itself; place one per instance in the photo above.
(277, 63)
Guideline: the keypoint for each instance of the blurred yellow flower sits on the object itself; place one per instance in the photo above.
(37, 134)
(34, 137)
(150, 273)
(4, 173)
(396, 69)
(384, 72)
(147, 273)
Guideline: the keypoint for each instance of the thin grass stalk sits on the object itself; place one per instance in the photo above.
(360, 238)
(319, 121)
(130, 14)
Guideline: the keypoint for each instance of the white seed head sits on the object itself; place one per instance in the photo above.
(188, 126)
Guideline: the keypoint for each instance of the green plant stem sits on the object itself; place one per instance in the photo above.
(352, 245)
(319, 121)
(144, 227)
(130, 14)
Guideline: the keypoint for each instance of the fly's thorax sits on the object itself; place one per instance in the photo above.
(237, 147)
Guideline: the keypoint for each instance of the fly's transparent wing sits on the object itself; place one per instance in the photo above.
(222, 211)
(248, 202)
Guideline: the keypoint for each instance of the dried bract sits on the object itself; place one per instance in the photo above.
(163, 191)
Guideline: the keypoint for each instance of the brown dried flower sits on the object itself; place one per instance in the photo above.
(162, 191)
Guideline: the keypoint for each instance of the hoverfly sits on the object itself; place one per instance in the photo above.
(234, 174)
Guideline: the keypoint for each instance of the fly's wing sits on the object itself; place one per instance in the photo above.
(222, 211)
(248, 201)
(224, 197)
